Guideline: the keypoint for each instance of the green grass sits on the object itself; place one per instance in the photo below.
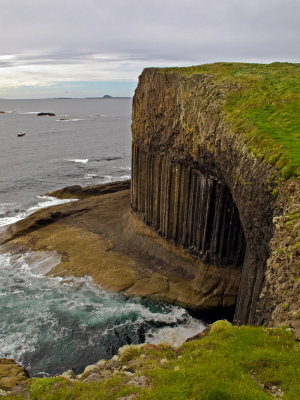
(263, 104)
(230, 363)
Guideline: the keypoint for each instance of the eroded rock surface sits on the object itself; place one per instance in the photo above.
(11, 374)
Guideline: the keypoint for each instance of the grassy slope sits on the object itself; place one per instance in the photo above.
(230, 363)
(264, 106)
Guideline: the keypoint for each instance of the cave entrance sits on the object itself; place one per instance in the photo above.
(212, 229)
(191, 208)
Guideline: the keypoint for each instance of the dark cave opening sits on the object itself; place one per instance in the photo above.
(193, 209)
(214, 314)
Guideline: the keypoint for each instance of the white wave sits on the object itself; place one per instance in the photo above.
(71, 120)
(109, 178)
(17, 343)
(22, 337)
(90, 176)
(48, 201)
(122, 168)
(175, 336)
(11, 220)
(175, 314)
(27, 112)
(79, 160)
(40, 302)
(5, 207)
(37, 262)
(183, 325)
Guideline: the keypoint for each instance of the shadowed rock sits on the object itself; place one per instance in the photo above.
(43, 114)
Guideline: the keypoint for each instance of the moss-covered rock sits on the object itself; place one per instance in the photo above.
(11, 374)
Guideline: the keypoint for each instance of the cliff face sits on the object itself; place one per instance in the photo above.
(191, 208)
(198, 185)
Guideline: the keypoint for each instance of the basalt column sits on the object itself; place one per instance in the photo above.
(188, 207)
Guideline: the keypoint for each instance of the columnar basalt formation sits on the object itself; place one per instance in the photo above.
(197, 183)
(188, 207)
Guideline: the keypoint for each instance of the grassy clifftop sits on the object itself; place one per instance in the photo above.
(262, 102)
(248, 363)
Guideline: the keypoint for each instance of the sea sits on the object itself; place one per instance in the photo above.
(50, 324)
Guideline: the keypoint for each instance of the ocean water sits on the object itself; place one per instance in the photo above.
(51, 324)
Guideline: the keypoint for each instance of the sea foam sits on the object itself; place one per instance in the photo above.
(79, 160)
(47, 201)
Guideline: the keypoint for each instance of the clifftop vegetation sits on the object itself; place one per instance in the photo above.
(229, 363)
(262, 102)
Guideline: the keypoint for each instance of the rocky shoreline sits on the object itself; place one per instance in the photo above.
(100, 236)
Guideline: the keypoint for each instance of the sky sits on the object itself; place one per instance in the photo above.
(89, 48)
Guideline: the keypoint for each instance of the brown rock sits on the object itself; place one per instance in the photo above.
(11, 374)
(43, 114)
(94, 376)
(150, 346)
(296, 329)
(69, 375)
(140, 381)
(79, 192)
(128, 397)
(106, 373)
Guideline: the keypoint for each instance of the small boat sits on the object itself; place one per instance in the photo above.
(21, 134)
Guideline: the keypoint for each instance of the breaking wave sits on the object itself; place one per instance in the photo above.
(51, 324)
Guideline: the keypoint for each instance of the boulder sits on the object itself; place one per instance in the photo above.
(11, 374)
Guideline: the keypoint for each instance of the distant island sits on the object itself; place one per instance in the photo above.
(107, 96)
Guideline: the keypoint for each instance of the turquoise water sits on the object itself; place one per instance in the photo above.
(50, 325)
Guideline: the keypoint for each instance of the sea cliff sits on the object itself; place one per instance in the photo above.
(214, 170)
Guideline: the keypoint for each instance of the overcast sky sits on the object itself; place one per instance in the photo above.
(79, 48)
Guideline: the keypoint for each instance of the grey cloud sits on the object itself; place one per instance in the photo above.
(132, 34)
(138, 25)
